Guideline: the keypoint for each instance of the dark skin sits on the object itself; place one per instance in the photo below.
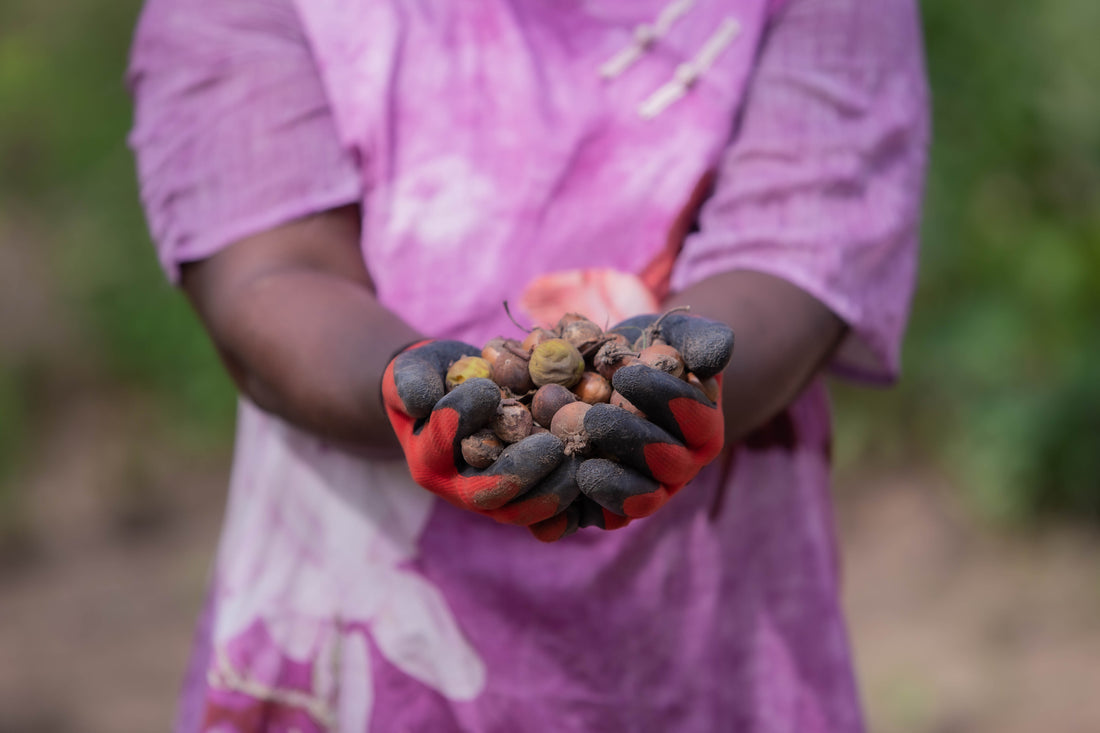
(292, 312)
(782, 338)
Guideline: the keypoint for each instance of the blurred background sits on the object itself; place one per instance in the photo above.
(968, 496)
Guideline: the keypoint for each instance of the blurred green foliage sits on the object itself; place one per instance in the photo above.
(13, 418)
(66, 176)
(1002, 363)
(1000, 386)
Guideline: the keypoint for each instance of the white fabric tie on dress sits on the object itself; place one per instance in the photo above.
(644, 37)
(223, 675)
(689, 72)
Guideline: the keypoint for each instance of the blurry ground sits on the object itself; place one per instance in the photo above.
(959, 629)
(96, 613)
(956, 629)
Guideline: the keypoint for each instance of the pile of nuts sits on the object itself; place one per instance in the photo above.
(550, 379)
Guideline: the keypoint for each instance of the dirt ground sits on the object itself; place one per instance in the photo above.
(957, 629)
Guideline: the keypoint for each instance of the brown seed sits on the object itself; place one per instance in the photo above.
(511, 372)
(708, 386)
(570, 318)
(492, 350)
(619, 401)
(536, 337)
(513, 422)
(468, 367)
(548, 400)
(568, 426)
(592, 388)
(615, 336)
(612, 356)
(581, 333)
(556, 362)
(481, 449)
(663, 357)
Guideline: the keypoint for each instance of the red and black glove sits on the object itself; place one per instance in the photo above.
(531, 484)
(643, 462)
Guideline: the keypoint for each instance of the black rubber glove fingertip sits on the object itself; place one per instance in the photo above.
(418, 384)
(705, 345)
(709, 354)
(475, 401)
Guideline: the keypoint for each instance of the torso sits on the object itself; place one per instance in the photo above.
(492, 152)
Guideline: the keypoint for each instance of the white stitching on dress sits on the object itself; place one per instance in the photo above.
(224, 676)
(644, 37)
(688, 73)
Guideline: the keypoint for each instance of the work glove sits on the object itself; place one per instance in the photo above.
(642, 462)
(531, 484)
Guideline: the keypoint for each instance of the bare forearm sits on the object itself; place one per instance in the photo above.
(782, 337)
(311, 348)
(293, 313)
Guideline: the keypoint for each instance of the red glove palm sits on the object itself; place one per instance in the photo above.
(651, 459)
(532, 482)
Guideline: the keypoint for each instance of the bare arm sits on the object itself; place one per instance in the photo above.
(824, 176)
(292, 311)
(782, 337)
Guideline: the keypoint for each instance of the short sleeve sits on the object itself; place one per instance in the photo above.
(822, 182)
(233, 133)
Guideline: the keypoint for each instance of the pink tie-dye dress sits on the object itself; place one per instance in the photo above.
(491, 143)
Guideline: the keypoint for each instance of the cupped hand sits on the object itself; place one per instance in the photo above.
(532, 483)
(643, 461)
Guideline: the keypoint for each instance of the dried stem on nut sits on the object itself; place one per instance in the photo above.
(653, 331)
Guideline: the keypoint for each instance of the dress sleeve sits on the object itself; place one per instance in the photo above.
(233, 132)
(822, 182)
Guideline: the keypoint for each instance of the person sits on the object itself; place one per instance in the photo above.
(330, 183)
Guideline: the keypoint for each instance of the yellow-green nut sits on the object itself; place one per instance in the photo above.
(468, 367)
(556, 362)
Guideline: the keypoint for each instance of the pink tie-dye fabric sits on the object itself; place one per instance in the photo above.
(487, 150)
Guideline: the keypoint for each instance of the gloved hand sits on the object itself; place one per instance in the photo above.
(531, 484)
(651, 459)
